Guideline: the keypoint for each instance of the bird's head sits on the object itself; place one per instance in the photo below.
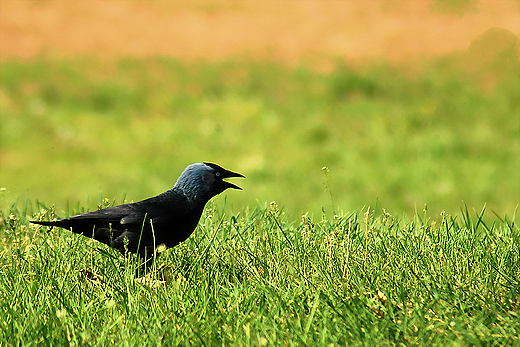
(202, 181)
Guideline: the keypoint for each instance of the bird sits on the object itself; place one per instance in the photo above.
(165, 219)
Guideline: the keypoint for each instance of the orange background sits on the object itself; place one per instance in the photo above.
(282, 30)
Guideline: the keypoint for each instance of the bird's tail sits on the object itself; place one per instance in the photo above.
(46, 223)
(59, 223)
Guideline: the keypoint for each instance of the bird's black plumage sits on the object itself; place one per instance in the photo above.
(168, 218)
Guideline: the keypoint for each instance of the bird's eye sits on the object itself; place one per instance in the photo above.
(217, 174)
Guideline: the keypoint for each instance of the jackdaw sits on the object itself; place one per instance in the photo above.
(168, 218)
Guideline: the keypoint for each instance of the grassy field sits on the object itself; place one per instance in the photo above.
(281, 262)
(257, 278)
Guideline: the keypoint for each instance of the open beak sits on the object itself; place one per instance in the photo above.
(228, 174)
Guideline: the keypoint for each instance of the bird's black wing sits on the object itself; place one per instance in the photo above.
(83, 223)
(103, 225)
(166, 218)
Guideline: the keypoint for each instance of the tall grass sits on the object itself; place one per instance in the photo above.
(256, 277)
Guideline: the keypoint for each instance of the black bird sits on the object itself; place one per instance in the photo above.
(168, 218)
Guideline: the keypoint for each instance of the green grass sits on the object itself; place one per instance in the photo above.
(258, 278)
(441, 133)
(303, 273)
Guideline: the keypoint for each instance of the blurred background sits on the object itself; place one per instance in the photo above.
(406, 103)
